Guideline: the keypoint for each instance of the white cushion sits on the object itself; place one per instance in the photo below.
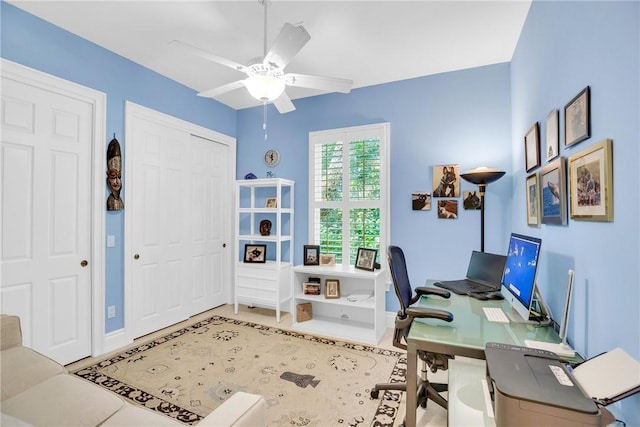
(141, 417)
(240, 410)
(21, 368)
(63, 400)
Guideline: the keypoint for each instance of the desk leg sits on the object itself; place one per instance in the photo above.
(412, 381)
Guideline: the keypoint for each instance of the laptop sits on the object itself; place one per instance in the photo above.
(484, 274)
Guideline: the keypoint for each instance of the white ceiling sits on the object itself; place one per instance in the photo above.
(369, 42)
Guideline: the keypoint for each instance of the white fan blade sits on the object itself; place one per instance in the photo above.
(212, 93)
(288, 43)
(283, 103)
(208, 55)
(330, 84)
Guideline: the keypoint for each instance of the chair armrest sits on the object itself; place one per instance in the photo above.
(422, 312)
(423, 290)
(10, 332)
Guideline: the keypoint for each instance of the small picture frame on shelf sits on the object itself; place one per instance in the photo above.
(332, 288)
(327, 260)
(311, 288)
(311, 255)
(271, 203)
(255, 253)
(366, 259)
(577, 118)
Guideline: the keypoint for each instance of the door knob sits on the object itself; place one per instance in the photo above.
(84, 263)
(224, 245)
(136, 256)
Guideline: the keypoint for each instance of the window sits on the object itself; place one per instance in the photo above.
(348, 190)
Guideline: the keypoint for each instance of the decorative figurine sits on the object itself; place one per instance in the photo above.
(114, 175)
(265, 227)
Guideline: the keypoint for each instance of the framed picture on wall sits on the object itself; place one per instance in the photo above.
(445, 181)
(577, 118)
(552, 135)
(533, 200)
(553, 197)
(532, 148)
(591, 183)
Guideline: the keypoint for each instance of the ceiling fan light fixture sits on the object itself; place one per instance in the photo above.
(264, 87)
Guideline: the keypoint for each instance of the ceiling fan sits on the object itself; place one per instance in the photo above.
(266, 79)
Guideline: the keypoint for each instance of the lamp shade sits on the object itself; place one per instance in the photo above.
(264, 87)
(482, 175)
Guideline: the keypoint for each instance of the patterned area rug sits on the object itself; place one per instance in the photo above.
(306, 380)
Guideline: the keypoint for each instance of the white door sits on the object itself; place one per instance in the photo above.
(179, 222)
(210, 196)
(46, 179)
(159, 242)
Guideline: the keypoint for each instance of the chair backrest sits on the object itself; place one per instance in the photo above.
(400, 277)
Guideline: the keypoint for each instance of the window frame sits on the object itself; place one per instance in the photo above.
(345, 135)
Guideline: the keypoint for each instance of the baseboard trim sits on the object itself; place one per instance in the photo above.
(113, 341)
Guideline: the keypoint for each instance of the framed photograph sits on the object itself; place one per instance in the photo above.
(421, 201)
(445, 181)
(553, 197)
(327, 259)
(533, 200)
(366, 259)
(591, 183)
(577, 118)
(532, 148)
(332, 288)
(271, 202)
(311, 288)
(448, 209)
(552, 135)
(255, 253)
(311, 255)
(471, 200)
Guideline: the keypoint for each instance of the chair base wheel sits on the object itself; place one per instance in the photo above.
(375, 394)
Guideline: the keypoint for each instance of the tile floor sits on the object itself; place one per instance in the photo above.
(433, 416)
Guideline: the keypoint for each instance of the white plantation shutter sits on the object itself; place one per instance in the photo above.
(348, 184)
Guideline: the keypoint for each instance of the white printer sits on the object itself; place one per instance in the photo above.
(531, 387)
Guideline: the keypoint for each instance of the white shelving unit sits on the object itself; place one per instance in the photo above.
(264, 284)
(362, 320)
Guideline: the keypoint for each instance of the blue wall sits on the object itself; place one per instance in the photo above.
(37, 44)
(472, 117)
(564, 47)
(460, 117)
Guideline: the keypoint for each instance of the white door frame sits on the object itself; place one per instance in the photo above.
(134, 110)
(98, 100)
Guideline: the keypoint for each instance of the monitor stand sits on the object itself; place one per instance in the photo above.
(538, 313)
(562, 348)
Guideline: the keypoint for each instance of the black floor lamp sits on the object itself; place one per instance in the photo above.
(482, 176)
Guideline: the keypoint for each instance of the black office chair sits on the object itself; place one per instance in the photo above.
(404, 319)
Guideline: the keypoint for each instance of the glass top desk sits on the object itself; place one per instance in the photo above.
(467, 335)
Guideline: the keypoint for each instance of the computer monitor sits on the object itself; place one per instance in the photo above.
(519, 276)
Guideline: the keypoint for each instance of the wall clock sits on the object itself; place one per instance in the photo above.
(272, 157)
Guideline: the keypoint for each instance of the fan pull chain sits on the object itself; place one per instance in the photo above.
(264, 119)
